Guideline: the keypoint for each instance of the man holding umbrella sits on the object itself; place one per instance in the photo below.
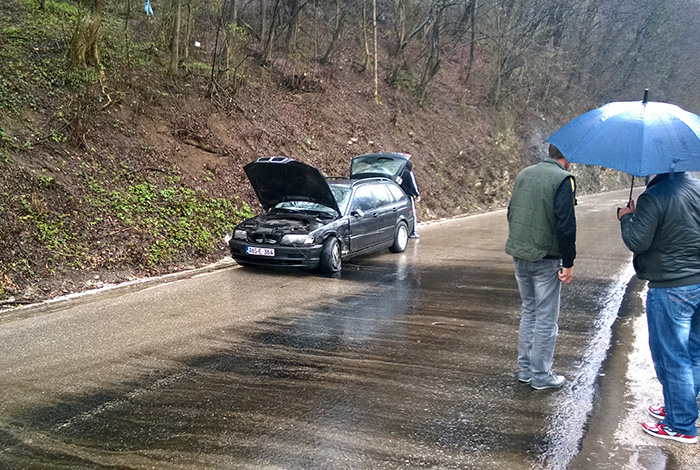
(663, 231)
(645, 138)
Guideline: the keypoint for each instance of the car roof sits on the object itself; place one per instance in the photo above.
(352, 182)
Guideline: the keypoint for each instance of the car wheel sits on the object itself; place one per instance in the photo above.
(400, 239)
(330, 261)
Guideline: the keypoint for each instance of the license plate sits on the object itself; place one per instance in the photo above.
(254, 250)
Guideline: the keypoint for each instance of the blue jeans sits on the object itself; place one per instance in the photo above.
(673, 316)
(540, 289)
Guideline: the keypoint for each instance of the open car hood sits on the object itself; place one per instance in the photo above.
(388, 165)
(280, 179)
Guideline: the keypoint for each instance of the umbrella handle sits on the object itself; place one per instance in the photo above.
(631, 189)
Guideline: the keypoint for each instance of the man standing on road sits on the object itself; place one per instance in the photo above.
(407, 181)
(542, 241)
(663, 232)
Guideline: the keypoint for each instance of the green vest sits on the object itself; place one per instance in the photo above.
(532, 234)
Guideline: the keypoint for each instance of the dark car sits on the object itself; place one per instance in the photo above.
(311, 221)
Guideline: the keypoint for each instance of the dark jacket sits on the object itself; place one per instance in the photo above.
(664, 231)
(408, 181)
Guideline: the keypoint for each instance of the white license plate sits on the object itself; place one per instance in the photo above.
(254, 250)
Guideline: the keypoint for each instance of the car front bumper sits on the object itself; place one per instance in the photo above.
(291, 256)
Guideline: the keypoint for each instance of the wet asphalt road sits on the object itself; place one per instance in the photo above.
(406, 361)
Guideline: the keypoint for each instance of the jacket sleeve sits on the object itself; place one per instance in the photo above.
(565, 221)
(414, 185)
(639, 227)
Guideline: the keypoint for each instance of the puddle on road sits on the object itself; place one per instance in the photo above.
(417, 372)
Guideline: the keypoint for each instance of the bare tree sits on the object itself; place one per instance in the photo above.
(175, 37)
(341, 14)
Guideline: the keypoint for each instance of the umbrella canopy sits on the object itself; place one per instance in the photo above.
(641, 138)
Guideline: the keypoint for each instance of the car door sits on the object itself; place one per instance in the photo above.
(387, 165)
(386, 209)
(363, 219)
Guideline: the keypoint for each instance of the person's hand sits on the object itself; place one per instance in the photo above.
(628, 209)
(566, 275)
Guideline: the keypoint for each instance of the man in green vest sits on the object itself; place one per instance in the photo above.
(542, 241)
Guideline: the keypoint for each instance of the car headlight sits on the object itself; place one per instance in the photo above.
(293, 239)
(240, 235)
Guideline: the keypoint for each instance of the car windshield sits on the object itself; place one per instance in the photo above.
(377, 164)
(341, 195)
(304, 206)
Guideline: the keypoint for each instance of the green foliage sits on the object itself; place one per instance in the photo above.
(55, 231)
(31, 62)
(47, 181)
(78, 78)
(6, 143)
(175, 217)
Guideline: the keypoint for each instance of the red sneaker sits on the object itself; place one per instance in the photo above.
(658, 412)
(665, 432)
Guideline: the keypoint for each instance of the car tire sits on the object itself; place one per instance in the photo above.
(400, 238)
(330, 261)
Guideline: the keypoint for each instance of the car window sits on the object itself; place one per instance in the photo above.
(396, 192)
(381, 195)
(363, 199)
(376, 164)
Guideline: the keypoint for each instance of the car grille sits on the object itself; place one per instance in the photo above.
(264, 238)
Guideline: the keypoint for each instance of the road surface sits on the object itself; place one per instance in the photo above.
(405, 361)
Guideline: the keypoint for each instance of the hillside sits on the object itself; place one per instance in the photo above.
(106, 178)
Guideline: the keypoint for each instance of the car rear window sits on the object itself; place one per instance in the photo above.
(376, 165)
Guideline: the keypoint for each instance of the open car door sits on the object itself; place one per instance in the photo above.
(388, 165)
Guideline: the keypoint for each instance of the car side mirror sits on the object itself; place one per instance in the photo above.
(357, 213)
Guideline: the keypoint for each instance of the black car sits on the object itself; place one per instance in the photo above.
(314, 222)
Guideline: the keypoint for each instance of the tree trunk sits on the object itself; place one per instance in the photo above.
(472, 41)
(269, 39)
(188, 31)
(340, 21)
(263, 20)
(175, 39)
(84, 48)
(376, 65)
(368, 57)
(233, 17)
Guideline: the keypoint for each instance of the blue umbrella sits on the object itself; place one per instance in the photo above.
(641, 138)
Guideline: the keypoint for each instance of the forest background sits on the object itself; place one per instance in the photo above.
(124, 126)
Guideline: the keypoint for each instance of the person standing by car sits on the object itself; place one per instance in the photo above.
(542, 242)
(407, 181)
(663, 232)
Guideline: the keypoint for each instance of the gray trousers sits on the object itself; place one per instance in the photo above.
(540, 292)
